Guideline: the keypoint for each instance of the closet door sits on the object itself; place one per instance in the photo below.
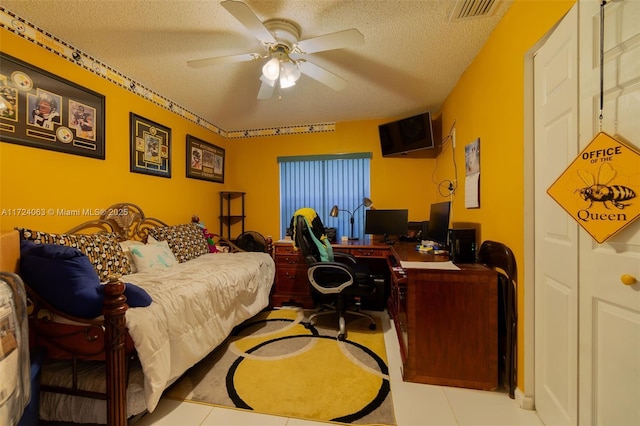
(610, 310)
(556, 233)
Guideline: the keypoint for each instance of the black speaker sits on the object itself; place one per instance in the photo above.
(463, 245)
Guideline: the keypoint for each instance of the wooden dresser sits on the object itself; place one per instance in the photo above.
(291, 286)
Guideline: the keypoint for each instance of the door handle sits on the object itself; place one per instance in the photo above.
(628, 279)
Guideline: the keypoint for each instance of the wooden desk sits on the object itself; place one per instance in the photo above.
(446, 321)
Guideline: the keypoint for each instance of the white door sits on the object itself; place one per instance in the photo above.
(609, 310)
(556, 233)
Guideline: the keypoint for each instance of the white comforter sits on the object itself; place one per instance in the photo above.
(195, 306)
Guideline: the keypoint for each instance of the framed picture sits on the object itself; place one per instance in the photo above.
(150, 147)
(204, 160)
(45, 111)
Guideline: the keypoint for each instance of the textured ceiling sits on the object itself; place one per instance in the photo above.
(412, 57)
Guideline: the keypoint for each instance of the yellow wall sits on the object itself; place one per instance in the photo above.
(395, 182)
(487, 103)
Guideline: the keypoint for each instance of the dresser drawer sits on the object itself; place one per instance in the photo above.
(292, 280)
(367, 252)
(284, 260)
(282, 248)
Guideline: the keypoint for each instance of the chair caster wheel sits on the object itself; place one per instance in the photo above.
(372, 326)
(341, 337)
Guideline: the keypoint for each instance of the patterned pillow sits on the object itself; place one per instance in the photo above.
(186, 241)
(103, 250)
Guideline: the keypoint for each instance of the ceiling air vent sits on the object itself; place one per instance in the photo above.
(466, 9)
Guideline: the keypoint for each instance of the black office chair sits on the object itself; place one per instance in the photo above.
(500, 257)
(337, 276)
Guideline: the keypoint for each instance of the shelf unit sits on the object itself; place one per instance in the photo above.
(229, 207)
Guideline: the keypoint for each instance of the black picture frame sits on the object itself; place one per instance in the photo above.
(150, 147)
(204, 160)
(42, 110)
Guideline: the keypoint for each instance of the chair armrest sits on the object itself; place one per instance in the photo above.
(330, 277)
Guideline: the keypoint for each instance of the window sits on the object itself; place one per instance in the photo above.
(322, 181)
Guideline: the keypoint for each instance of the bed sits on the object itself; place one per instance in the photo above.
(129, 355)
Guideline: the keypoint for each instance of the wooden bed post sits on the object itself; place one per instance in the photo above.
(269, 246)
(115, 329)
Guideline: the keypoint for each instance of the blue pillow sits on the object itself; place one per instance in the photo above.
(64, 277)
(137, 297)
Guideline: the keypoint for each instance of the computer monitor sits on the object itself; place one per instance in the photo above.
(386, 222)
(438, 229)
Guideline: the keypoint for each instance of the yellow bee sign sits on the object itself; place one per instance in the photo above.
(601, 188)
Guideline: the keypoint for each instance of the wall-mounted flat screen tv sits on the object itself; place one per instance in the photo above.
(417, 136)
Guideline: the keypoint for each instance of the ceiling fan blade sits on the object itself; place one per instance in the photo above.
(338, 40)
(200, 63)
(323, 76)
(266, 90)
(247, 18)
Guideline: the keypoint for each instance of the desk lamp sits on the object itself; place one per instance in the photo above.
(334, 213)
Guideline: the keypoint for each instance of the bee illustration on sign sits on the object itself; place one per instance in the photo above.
(599, 190)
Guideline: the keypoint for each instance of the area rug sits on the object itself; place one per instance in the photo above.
(276, 363)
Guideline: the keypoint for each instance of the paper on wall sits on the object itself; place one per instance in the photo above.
(471, 191)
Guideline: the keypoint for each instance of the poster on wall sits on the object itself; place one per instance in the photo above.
(600, 187)
(150, 145)
(41, 110)
(204, 160)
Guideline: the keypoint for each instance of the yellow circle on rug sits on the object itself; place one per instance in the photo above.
(323, 384)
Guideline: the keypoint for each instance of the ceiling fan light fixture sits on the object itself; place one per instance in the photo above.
(286, 82)
(265, 80)
(271, 70)
(290, 71)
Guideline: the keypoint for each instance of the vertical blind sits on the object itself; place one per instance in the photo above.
(320, 182)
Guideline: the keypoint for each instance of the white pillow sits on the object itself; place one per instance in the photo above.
(126, 248)
(153, 256)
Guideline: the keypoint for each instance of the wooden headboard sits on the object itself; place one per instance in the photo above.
(127, 220)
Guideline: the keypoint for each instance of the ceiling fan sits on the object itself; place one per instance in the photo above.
(284, 51)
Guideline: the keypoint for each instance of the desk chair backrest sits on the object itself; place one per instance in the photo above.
(501, 258)
(309, 236)
(498, 255)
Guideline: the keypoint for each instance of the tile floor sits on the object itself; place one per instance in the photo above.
(415, 405)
